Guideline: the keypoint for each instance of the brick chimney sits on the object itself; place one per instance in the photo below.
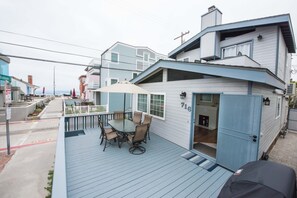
(211, 18)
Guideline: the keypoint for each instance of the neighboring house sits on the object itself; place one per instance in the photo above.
(225, 96)
(4, 72)
(21, 88)
(123, 62)
(82, 80)
(92, 81)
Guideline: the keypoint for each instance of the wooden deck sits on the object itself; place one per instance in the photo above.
(159, 172)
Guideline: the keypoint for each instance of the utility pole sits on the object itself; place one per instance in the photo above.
(54, 81)
(182, 37)
(7, 100)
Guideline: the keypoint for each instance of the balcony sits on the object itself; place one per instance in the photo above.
(82, 169)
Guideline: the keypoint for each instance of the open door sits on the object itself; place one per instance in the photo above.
(238, 130)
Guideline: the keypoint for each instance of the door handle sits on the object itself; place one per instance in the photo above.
(254, 138)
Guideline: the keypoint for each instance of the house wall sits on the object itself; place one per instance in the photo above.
(192, 55)
(281, 63)
(123, 70)
(270, 125)
(3, 70)
(177, 124)
(263, 51)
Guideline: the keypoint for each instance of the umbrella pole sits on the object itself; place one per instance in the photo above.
(124, 105)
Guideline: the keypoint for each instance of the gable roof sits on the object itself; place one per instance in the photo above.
(284, 21)
(260, 75)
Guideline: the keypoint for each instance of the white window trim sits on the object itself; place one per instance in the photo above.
(111, 57)
(148, 57)
(278, 99)
(142, 65)
(236, 44)
(149, 105)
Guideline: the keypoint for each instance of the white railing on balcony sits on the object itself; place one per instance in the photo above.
(90, 109)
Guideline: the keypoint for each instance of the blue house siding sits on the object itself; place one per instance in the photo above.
(122, 70)
(4, 70)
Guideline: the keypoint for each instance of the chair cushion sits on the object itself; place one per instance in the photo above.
(108, 130)
(111, 135)
(130, 138)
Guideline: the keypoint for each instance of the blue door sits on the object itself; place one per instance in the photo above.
(238, 130)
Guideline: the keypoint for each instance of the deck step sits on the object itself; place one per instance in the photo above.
(199, 160)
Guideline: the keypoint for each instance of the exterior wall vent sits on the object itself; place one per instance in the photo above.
(291, 89)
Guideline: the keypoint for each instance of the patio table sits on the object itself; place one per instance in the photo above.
(124, 127)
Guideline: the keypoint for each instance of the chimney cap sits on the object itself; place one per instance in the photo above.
(211, 8)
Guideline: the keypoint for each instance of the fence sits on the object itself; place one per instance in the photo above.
(79, 122)
(76, 110)
(292, 121)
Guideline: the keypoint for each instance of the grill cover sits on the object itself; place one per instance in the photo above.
(261, 179)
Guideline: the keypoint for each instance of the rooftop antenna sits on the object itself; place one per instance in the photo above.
(182, 36)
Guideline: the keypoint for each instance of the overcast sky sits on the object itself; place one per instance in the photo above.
(99, 24)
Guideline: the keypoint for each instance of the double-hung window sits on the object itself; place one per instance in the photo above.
(142, 103)
(157, 103)
(239, 49)
(154, 104)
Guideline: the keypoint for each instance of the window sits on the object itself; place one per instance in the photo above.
(114, 57)
(157, 105)
(145, 57)
(206, 98)
(234, 50)
(139, 65)
(142, 102)
(278, 107)
(113, 81)
(134, 74)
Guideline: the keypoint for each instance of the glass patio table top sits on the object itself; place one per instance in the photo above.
(123, 125)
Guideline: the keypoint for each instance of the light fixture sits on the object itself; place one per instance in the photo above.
(260, 37)
(183, 95)
(266, 101)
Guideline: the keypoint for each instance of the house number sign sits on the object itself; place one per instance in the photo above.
(185, 106)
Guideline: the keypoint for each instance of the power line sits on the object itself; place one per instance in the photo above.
(60, 42)
(47, 50)
(65, 63)
(61, 52)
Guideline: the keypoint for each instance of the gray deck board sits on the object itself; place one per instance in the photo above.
(159, 172)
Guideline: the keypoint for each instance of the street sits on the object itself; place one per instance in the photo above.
(34, 143)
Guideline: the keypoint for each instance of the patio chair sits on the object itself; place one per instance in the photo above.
(137, 139)
(147, 120)
(137, 117)
(107, 134)
(118, 115)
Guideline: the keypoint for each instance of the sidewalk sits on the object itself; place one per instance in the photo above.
(25, 175)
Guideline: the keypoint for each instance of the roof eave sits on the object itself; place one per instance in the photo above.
(285, 18)
(260, 75)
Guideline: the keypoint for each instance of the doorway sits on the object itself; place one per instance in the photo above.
(206, 123)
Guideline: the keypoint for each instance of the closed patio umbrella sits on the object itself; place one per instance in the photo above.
(123, 87)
